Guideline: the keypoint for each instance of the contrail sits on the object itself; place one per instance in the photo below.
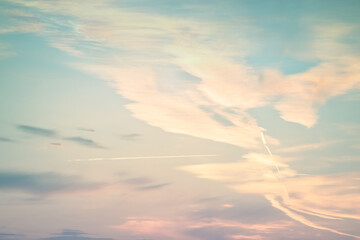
(276, 165)
(143, 157)
(270, 153)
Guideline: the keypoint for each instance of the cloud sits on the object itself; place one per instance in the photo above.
(214, 229)
(44, 183)
(5, 51)
(86, 129)
(304, 93)
(185, 228)
(244, 237)
(10, 236)
(301, 197)
(357, 146)
(83, 141)
(137, 181)
(143, 183)
(51, 133)
(229, 86)
(75, 238)
(192, 46)
(296, 96)
(56, 144)
(144, 157)
(153, 187)
(4, 139)
(7, 234)
(304, 220)
(153, 227)
(147, 36)
(131, 136)
(175, 113)
(306, 147)
(350, 129)
(37, 131)
(70, 232)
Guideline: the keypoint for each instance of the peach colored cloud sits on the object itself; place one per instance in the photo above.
(306, 147)
(151, 227)
(156, 41)
(331, 197)
(174, 227)
(231, 84)
(174, 113)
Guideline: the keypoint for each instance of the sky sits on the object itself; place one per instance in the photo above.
(179, 120)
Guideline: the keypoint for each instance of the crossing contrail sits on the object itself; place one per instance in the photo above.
(143, 157)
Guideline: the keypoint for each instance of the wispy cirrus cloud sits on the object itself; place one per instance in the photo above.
(144, 157)
(298, 196)
(174, 113)
(306, 147)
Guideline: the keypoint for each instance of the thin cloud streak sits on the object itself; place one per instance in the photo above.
(302, 219)
(37, 131)
(320, 196)
(144, 157)
(306, 147)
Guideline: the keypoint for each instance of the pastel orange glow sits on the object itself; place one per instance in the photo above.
(179, 120)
